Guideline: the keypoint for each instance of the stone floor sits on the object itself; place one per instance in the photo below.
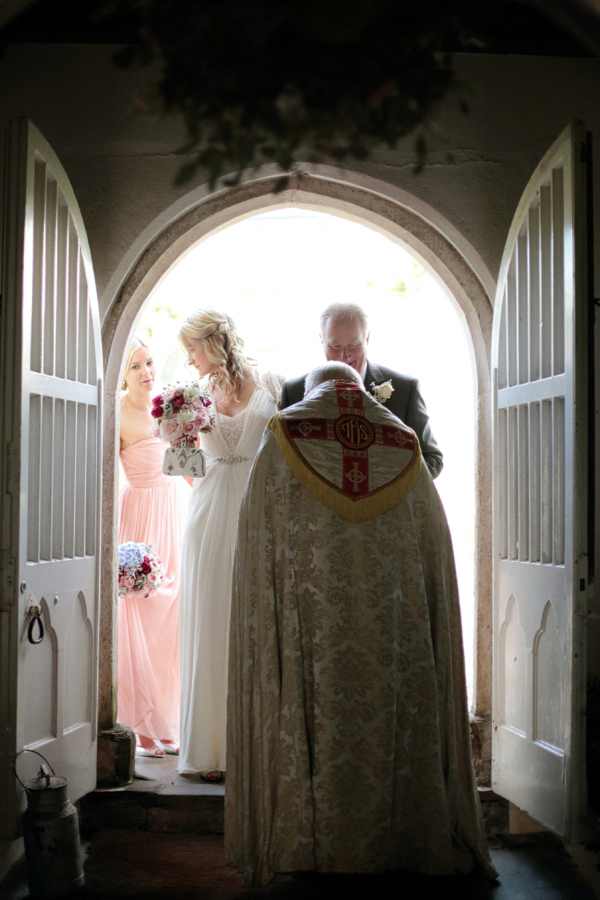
(191, 867)
(148, 863)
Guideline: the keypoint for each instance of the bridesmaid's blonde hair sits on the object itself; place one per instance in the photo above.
(135, 345)
(223, 346)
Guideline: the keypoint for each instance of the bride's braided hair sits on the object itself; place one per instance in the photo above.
(223, 346)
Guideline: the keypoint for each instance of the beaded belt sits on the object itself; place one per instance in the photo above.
(231, 459)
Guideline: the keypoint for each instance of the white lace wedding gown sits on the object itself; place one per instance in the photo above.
(206, 569)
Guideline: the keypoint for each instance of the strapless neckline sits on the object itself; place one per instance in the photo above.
(142, 441)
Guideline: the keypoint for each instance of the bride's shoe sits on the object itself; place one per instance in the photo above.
(171, 747)
(214, 776)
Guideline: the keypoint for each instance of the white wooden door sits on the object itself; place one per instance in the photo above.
(540, 369)
(51, 390)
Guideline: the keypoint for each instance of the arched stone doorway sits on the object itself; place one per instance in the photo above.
(433, 241)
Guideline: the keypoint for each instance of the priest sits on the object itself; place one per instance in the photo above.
(347, 729)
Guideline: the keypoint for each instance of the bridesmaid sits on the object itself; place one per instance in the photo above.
(153, 510)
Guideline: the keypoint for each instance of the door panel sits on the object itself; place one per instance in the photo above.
(51, 399)
(540, 493)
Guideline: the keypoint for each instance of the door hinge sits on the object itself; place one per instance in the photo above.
(7, 580)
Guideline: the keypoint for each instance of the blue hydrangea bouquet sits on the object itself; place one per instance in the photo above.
(141, 572)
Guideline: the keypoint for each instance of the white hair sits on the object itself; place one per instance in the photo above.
(330, 371)
(344, 313)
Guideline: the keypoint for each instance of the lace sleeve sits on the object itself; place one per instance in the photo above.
(272, 382)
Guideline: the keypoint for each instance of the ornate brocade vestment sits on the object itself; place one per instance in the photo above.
(348, 745)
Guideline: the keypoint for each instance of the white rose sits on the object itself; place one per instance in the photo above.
(191, 392)
(186, 415)
(385, 390)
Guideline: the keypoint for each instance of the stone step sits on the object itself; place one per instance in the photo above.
(495, 812)
(160, 800)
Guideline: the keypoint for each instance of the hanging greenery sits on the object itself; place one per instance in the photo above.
(279, 80)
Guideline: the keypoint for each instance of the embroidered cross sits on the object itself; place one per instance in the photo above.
(355, 477)
(402, 439)
(350, 396)
(306, 428)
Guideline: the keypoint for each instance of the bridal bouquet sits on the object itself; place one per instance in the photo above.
(141, 572)
(181, 413)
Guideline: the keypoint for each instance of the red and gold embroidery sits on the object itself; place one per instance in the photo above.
(355, 500)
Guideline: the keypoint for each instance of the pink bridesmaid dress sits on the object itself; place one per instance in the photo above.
(153, 510)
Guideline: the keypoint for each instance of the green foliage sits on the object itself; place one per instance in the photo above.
(399, 287)
(273, 80)
(171, 313)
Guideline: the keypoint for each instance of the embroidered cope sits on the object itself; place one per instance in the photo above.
(348, 743)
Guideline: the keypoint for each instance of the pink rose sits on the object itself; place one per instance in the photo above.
(171, 430)
(190, 429)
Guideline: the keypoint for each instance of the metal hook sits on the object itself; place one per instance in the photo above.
(33, 612)
(40, 636)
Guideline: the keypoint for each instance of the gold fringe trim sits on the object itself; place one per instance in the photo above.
(353, 511)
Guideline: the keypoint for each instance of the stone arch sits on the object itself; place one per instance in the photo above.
(402, 217)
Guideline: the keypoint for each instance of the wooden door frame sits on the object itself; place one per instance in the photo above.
(402, 217)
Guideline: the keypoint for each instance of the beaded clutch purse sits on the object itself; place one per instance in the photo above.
(184, 461)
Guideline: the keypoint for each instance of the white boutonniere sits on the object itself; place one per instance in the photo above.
(382, 392)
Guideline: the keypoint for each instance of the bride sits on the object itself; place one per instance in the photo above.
(244, 402)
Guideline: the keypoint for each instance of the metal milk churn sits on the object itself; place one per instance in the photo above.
(51, 834)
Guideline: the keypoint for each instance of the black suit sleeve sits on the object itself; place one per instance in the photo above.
(292, 392)
(418, 420)
(284, 399)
